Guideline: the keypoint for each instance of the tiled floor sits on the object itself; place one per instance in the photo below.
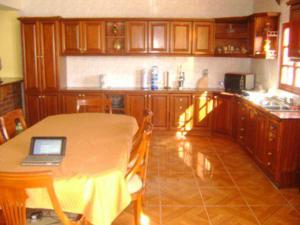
(209, 180)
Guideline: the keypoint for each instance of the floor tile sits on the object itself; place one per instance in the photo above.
(261, 195)
(213, 179)
(250, 179)
(231, 216)
(277, 215)
(184, 216)
(222, 197)
(292, 195)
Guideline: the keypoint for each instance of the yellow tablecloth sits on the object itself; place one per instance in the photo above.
(90, 180)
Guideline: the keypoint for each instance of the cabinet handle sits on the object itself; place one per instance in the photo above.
(268, 164)
(180, 107)
(241, 137)
(40, 96)
(79, 95)
(83, 95)
(243, 118)
(242, 129)
(149, 96)
(180, 99)
(271, 139)
(194, 97)
(269, 153)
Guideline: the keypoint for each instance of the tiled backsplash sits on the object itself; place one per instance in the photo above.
(123, 71)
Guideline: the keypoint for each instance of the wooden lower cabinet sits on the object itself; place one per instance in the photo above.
(159, 105)
(181, 112)
(222, 114)
(136, 104)
(203, 109)
(40, 106)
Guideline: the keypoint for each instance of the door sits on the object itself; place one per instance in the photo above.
(135, 106)
(136, 37)
(49, 105)
(203, 108)
(294, 42)
(181, 112)
(71, 37)
(223, 105)
(49, 71)
(181, 37)
(203, 38)
(33, 113)
(93, 37)
(159, 32)
(31, 56)
(159, 105)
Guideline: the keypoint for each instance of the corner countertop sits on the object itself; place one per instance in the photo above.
(11, 80)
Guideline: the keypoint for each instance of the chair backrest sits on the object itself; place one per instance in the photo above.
(94, 105)
(13, 195)
(11, 121)
(2, 139)
(146, 122)
(141, 155)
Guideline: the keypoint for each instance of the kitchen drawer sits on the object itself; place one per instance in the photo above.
(181, 111)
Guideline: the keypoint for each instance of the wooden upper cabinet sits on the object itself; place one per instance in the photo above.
(136, 37)
(29, 30)
(181, 37)
(49, 53)
(159, 36)
(93, 36)
(71, 37)
(294, 42)
(203, 38)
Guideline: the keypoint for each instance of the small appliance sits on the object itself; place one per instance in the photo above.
(237, 82)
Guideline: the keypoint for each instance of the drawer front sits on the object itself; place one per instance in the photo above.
(271, 146)
(181, 112)
(242, 117)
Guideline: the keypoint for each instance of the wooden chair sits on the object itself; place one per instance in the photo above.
(136, 174)
(10, 121)
(94, 105)
(13, 196)
(2, 139)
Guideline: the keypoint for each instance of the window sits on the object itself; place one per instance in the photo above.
(289, 70)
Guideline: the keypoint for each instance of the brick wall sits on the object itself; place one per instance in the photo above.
(10, 97)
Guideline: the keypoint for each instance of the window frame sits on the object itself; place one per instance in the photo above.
(290, 88)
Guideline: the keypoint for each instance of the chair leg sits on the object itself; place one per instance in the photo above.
(137, 210)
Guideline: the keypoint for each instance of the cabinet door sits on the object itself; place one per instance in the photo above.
(135, 106)
(242, 116)
(159, 32)
(181, 37)
(203, 108)
(159, 104)
(203, 38)
(136, 37)
(49, 106)
(271, 145)
(71, 41)
(259, 152)
(49, 72)
(181, 112)
(69, 102)
(31, 57)
(93, 36)
(294, 43)
(222, 122)
(33, 113)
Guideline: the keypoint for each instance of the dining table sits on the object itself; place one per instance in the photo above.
(91, 178)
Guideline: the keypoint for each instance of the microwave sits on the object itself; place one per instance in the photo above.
(237, 82)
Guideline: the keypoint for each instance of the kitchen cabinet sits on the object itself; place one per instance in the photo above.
(159, 36)
(69, 99)
(294, 40)
(203, 38)
(159, 105)
(181, 112)
(40, 43)
(82, 37)
(251, 130)
(181, 37)
(203, 109)
(136, 37)
(222, 114)
(41, 106)
(136, 103)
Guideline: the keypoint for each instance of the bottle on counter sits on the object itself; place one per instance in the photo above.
(145, 80)
(154, 78)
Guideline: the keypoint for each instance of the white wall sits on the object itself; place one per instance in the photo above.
(124, 71)
(16, 4)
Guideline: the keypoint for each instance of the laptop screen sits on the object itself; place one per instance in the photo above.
(48, 146)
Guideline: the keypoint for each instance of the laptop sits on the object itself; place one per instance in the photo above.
(45, 151)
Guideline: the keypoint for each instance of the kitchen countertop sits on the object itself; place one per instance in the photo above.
(7, 81)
